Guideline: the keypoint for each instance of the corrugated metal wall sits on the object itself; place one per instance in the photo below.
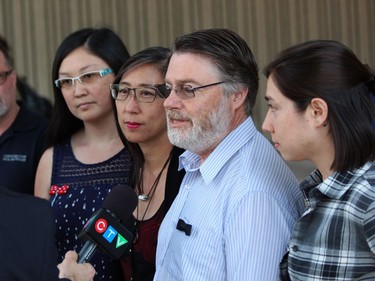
(34, 28)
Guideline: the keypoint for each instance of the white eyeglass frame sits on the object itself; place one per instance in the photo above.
(102, 72)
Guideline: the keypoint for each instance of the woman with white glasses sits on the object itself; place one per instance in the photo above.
(86, 157)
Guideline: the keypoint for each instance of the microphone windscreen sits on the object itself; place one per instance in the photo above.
(121, 201)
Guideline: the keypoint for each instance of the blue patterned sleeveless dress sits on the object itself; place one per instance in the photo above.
(85, 187)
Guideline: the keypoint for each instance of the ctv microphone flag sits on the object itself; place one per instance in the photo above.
(104, 229)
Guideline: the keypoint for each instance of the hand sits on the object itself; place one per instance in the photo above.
(70, 269)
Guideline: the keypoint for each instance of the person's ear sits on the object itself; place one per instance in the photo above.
(319, 112)
(13, 75)
(239, 97)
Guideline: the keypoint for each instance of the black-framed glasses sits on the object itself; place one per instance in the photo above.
(4, 75)
(185, 92)
(87, 78)
(145, 94)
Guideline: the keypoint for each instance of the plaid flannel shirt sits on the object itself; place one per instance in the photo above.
(335, 237)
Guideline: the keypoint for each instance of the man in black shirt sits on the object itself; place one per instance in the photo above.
(22, 132)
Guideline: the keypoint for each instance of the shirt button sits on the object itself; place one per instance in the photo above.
(187, 187)
(295, 248)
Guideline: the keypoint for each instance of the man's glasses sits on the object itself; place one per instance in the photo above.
(143, 94)
(184, 92)
(4, 75)
(87, 78)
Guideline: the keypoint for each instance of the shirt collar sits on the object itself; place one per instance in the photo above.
(25, 120)
(336, 185)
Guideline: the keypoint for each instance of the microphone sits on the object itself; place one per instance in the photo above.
(104, 230)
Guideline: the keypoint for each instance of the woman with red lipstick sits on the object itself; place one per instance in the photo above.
(86, 157)
(142, 126)
(320, 110)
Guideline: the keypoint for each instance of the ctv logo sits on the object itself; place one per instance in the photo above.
(109, 233)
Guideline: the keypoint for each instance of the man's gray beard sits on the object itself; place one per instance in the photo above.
(3, 109)
(204, 134)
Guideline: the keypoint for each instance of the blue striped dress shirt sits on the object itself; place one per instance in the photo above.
(241, 204)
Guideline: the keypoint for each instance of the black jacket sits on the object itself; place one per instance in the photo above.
(27, 245)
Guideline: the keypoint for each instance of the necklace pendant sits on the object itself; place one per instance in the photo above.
(143, 197)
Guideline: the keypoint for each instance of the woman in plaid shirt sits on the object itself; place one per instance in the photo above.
(320, 110)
